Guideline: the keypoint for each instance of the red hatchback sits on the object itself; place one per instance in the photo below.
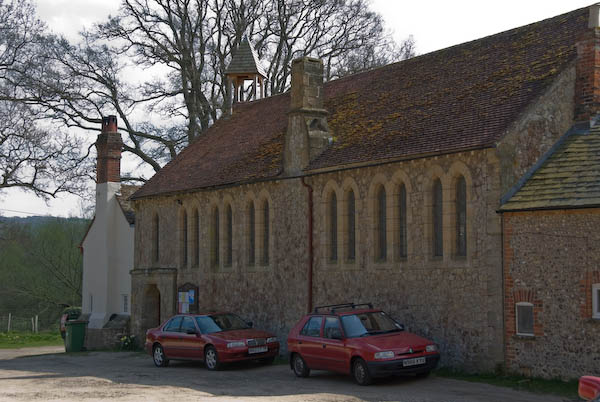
(359, 340)
(215, 338)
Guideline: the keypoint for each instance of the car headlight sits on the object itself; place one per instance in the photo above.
(272, 339)
(236, 344)
(431, 348)
(384, 355)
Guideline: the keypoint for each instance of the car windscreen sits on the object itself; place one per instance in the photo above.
(220, 322)
(370, 323)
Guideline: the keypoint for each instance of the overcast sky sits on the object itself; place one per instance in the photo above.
(434, 25)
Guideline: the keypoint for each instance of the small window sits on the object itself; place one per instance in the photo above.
(265, 234)
(381, 225)
(229, 255)
(596, 301)
(312, 327)
(333, 250)
(173, 325)
(251, 234)
(196, 237)
(215, 238)
(188, 325)
(125, 300)
(438, 239)
(402, 249)
(461, 217)
(524, 319)
(184, 240)
(332, 330)
(351, 251)
(156, 238)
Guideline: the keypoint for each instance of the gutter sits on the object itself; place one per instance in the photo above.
(310, 245)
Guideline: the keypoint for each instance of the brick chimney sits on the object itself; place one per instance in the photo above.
(109, 145)
(307, 133)
(587, 84)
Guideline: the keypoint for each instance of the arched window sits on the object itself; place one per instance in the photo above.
(184, 239)
(196, 237)
(402, 241)
(351, 227)
(251, 234)
(332, 210)
(229, 217)
(215, 237)
(155, 238)
(381, 225)
(265, 234)
(438, 237)
(461, 217)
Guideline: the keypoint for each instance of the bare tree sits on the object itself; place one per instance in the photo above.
(46, 162)
(185, 46)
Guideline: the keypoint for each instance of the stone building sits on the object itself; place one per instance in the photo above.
(551, 262)
(382, 186)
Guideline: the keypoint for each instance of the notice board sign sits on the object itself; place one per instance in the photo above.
(187, 299)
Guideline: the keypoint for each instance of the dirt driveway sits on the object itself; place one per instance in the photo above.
(47, 374)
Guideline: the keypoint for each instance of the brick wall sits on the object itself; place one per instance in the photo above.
(551, 261)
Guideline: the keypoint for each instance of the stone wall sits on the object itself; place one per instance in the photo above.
(445, 299)
(551, 260)
(104, 338)
(537, 129)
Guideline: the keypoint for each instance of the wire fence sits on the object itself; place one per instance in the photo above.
(11, 323)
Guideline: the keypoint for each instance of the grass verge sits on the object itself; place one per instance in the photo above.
(537, 385)
(12, 340)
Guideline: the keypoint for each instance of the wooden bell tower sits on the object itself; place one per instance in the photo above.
(244, 66)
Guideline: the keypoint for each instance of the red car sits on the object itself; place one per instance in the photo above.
(215, 338)
(589, 388)
(359, 340)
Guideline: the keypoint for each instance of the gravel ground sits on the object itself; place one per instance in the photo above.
(49, 374)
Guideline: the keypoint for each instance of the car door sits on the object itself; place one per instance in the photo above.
(309, 341)
(169, 336)
(334, 354)
(189, 343)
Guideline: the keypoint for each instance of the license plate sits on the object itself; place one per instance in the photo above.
(413, 362)
(260, 349)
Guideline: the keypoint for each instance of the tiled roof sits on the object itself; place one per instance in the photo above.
(245, 60)
(123, 198)
(569, 178)
(462, 97)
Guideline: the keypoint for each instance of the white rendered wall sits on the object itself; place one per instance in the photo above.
(107, 258)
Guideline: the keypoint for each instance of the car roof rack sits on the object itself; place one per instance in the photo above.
(334, 307)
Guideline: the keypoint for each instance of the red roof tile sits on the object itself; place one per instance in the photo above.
(458, 98)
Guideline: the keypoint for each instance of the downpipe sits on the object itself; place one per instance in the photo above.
(310, 245)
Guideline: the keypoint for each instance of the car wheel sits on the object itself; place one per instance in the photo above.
(211, 359)
(299, 366)
(158, 355)
(360, 372)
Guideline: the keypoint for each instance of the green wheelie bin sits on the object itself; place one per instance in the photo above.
(75, 335)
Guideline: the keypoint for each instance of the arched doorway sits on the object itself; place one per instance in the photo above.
(151, 308)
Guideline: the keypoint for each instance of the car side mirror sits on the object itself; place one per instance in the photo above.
(250, 324)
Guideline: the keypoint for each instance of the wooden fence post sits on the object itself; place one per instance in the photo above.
(36, 324)
(9, 317)
(32, 325)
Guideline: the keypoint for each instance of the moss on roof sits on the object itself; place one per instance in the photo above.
(569, 178)
(462, 97)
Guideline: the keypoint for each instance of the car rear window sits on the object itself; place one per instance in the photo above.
(173, 325)
(312, 327)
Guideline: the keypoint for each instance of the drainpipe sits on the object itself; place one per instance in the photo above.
(310, 243)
